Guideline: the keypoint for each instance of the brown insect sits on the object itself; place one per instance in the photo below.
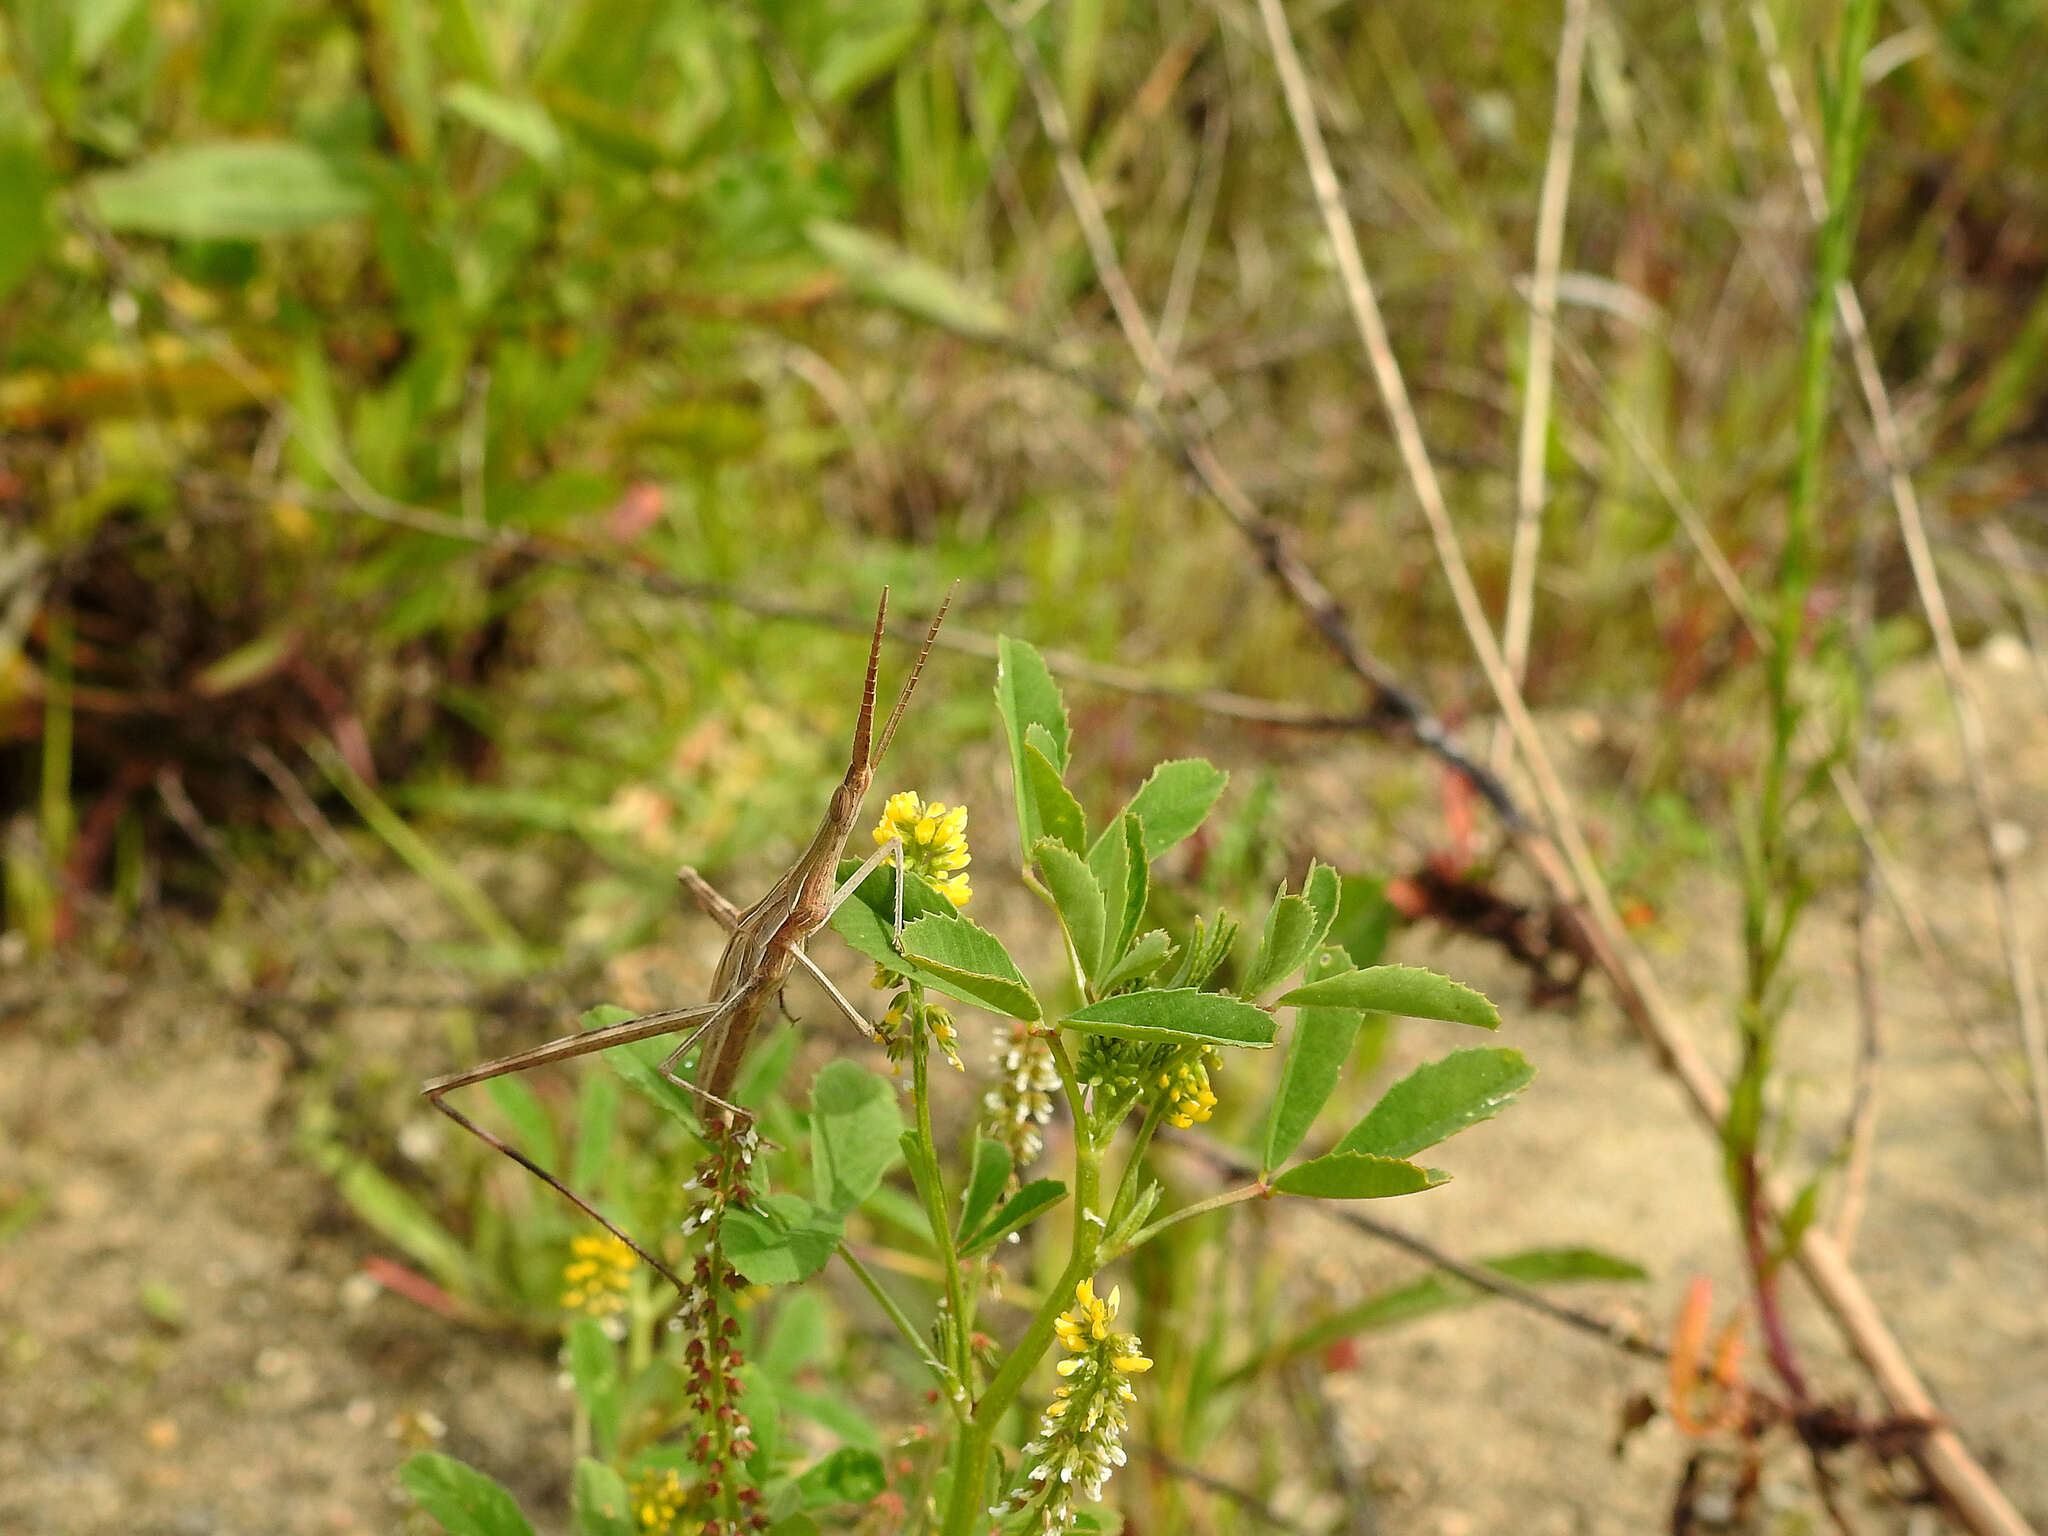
(767, 943)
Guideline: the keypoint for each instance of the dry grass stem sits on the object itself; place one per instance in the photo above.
(1533, 448)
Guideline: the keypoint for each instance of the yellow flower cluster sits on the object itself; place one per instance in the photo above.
(1079, 1439)
(1189, 1097)
(595, 1279)
(657, 1496)
(934, 841)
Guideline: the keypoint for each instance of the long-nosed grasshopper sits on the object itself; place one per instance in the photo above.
(767, 943)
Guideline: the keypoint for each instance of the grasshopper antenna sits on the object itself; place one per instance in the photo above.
(864, 725)
(916, 671)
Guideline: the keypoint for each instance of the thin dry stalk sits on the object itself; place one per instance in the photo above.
(1933, 600)
(1947, 1461)
(1531, 489)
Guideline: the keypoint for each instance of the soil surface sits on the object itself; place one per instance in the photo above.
(189, 1343)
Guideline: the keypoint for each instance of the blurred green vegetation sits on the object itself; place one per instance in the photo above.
(276, 276)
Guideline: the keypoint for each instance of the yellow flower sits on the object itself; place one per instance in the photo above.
(1078, 1443)
(934, 841)
(595, 1279)
(657, 1496)
(1189, 1097)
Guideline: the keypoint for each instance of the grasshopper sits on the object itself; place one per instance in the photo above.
(766, 944)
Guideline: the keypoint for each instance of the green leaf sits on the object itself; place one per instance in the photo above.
(1295, 926)
(1077, 898)
(891, 275)
(25, 184)
(986, 1176)
(1184, 1016)
(1141, 960)
(639, 1063)
(1364, 919)
(1120, 867)
(867, 921)
(1057, 812)
(1403, 989)
(781, 1241)
(848, 1476)
(973, 961)
(854, 1125)
(594, 1367)
(602, 1503)
(1356, 1176)
(1028, 1204)
(525, 125)
(1026, 696)
(1176, 799)
(1316, 1052)
(226, 190)
(924, 1171)
(1439, 1099)
(465, 1501)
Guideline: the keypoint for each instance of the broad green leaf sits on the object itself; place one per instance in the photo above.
(602, 1503)
(848, 1476)
(1028, 1204)
(1057, 812)
(854, 1126)
(1175, 799)
(24, 209)
(1143, 958)
(464, 1501)
(1316, 1053)
(781, 1241)
(1403, 989)
(523, 124)
(986, 1176)
(594, 1367)
(1439, 1099)
(1026, 696)
(1440, 1292)
(1356, 1176)
(974, 961)
(891, 275)
(1185, 1016)
(1078, 899)
(225, 190)
(865, 923)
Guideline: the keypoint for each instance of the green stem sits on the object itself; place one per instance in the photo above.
(901, 1319)
(1186, 1213)
(971, 1453)
(934, 1193)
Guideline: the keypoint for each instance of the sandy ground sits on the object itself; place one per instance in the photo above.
(187, 1345)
